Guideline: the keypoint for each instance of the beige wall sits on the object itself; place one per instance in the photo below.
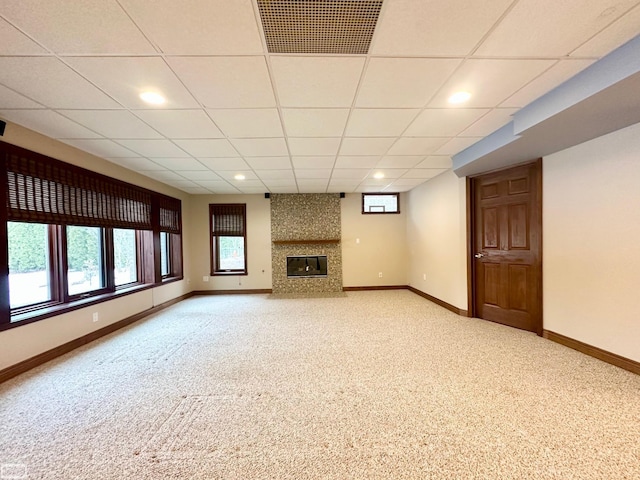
(436, 237)
(382, 245)
(258, 243)
(591, 242)
(21, 343)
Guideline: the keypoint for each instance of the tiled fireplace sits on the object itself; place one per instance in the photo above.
(306, 226)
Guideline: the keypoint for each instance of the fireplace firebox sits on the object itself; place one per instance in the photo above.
(307, 266)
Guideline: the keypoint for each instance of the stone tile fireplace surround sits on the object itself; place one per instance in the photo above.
(306, 224)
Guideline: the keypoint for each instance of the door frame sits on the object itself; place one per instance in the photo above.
(471, 224)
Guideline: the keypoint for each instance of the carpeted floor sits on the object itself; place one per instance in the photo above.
(374, 385)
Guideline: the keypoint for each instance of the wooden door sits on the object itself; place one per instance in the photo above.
(507, 247)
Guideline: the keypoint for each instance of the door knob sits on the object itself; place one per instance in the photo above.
(479, 255)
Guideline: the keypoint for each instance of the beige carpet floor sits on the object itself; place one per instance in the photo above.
(374, 385)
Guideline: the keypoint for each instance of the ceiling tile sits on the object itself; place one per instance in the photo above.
(315, 122)
(101, 147)
(408, 182)
(14, 42)
(389, 173)
(179, 164)
(312, 186)
(417, 145)
(137, 164)
(125, 78)
(269, 163)
(314, 146)
(396, 161)
(253, 190)
(182, 184)
(427, 27)
(223, 163)
(444, 122)
(55, 85)
(215, 184)
(313, 162)
(261, 147)
(350, 173)
(11, 99)
(365, 146)
(226, 82)
(112, 123)
(423, 173)
(181, 123)
(456, 145)
(195, 190)
(560, 27)
(316, 81)
(615, 35)
(560, 72)
(248, 123)
(309, 173)
(251, 183)
(379, 122)
(281, 182)
(153, 148)
(403, 82)
(269, 175)
(230, 175)
(65, 27)
(290, 189)
(162, 175)
(200, 175)
(490, 81)
(434, 161)
(394, 187)
(369, 161)
(205, 27)
(491, 122)
(208, 148)
(48, 123)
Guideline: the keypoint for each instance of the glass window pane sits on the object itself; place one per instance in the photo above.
(125, 256)
(165, 262)
(29, 274)
(231, 253)
(380, 203)
(84, 256)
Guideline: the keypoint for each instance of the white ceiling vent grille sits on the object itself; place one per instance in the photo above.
(319, 26)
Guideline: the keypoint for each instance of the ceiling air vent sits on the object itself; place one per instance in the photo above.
(319, 26)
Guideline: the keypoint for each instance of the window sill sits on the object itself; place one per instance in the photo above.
(228, 274)
(58, 309)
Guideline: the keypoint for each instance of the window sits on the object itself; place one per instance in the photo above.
(30, 271)
(85, 259)
(228, 224)
(125, 257)
(73, 237)
(380, 203)
(165, 254)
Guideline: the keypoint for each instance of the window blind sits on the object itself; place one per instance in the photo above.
(228, 220)
(45, 190)
(170, 217)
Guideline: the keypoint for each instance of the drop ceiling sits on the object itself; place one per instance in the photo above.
(289, 122)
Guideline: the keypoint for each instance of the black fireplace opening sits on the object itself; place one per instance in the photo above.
(306, 266)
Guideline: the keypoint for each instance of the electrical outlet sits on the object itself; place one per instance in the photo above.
(205, 278)
(95, 316)
(379, 274)
(357, 240)
(424, 276)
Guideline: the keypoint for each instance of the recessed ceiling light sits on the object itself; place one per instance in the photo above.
(459, 97)
(153, 98)
(378, 175)
(239, 177)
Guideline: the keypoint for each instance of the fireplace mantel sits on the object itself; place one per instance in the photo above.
(306, 242)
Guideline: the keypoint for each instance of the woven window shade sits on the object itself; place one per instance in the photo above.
(228, 220)
(170, 219)
(44, 190)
